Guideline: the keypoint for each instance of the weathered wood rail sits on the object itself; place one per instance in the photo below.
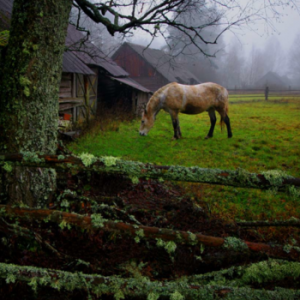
(236, 287)
(238, 178)
(96, 222)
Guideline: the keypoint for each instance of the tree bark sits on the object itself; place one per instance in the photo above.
(29, 94)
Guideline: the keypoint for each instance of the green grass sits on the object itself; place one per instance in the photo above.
(261, 97)
(265, 136)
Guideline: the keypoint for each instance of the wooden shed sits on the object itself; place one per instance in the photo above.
(152, 68)
(73, 88)
(114, 87)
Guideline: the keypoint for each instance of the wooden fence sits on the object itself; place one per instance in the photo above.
(225, 281)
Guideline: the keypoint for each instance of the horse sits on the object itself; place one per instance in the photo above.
(176, 98)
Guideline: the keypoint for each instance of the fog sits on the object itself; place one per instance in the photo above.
(248, 51)
(251, 51)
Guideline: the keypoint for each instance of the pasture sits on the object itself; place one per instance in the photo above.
(265, 137)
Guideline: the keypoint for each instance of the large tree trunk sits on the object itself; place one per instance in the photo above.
(29, 93)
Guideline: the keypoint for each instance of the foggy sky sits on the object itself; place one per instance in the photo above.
(285, 30)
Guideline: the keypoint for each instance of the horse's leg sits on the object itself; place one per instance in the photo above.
(227, 122)
(176, 127)
(213, 120)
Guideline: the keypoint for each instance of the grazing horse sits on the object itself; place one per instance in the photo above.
(188, 99)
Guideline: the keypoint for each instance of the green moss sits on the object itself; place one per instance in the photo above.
(288, 248)
(63, 224)
(109, 160)
(141, 286)
(87, 159)
(169, 246)
(294, 192)
(275, 177)
(193, 238)
(139, 234)
(24, 81)
(234, 244)
(26, 91)
(134, 179)
(31, 157)
(271, 270)
(152, 296)
(7, 167)
(98, 220)
(176, 296)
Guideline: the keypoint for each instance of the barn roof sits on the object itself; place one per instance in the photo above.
(6, 6)
(6, 9)
(90, 54)
(129, 81)
(71, 64)
(75, 64)
(165, 64)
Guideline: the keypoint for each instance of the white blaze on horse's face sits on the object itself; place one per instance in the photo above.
(147, 123)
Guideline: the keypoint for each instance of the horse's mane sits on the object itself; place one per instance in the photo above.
(153, 100)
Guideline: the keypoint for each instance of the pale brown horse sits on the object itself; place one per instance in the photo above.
(188, 99)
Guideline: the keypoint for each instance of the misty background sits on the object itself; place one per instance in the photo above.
(245, 57)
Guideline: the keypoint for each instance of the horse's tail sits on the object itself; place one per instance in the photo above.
(224, 97)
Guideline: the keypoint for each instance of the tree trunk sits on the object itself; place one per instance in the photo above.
(29, 94)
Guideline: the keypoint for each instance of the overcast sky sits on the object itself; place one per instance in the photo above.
(286, 30)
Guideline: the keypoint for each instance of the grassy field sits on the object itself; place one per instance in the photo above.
(261, 97)
(265, 136)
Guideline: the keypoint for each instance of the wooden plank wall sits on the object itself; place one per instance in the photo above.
(65, 89)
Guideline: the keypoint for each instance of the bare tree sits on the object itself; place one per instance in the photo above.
(153, 16)
(179, 45)
(97, 33)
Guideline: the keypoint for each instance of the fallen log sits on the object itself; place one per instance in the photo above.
(120, 287)
(271, 270)
(86, 162)
(96, 222)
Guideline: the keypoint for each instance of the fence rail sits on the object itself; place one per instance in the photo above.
(273, 179)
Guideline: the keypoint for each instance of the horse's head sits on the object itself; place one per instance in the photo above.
(147, 122)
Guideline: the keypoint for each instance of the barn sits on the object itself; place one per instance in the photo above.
(152, 68)
(274, 81)
(114, 87)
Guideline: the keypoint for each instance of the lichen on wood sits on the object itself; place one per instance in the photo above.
(136, 170)
(120, 287)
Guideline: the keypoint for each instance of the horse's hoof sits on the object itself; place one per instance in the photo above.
(208, 137)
